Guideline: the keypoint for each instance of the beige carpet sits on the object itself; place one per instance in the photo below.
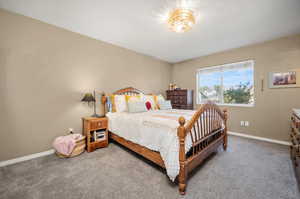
(249, 169)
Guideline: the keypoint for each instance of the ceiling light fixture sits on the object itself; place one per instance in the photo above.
(181, 20)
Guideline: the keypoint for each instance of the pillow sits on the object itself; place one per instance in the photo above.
(119, 103)
(165, 105)
(158, 98)
(148, 105)
(149, 98)
(136, 107)
(109, 103)
(133, 98)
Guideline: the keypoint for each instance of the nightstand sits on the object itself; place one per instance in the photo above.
(95, 130)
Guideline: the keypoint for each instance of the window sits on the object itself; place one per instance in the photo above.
(229, 84)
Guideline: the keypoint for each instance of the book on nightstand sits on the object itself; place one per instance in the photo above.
(99, 135)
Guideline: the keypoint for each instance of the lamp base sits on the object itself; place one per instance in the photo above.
(96, 115)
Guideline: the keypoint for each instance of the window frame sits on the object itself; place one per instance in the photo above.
(252, 62)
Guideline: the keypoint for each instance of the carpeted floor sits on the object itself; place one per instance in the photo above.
(248, 170)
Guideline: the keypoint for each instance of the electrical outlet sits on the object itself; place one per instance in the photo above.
(242, 123)
(247, 123)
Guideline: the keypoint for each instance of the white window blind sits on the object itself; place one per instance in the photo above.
(227, 84)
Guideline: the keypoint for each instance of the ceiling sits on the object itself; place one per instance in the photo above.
(136, 25)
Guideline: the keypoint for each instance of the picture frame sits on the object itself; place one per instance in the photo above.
(286, 79)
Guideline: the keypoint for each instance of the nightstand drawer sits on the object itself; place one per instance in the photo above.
(97, 145)
(95, 125)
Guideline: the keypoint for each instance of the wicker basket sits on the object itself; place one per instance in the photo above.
(78, 149)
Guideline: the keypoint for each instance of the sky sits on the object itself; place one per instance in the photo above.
(231, 78)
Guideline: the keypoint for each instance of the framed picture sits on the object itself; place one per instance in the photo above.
(287, 79)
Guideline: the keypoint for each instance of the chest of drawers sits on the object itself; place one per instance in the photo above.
(295, 141)
(181, 99)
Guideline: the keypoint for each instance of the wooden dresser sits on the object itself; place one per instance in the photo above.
(295, 139)
(181, 98)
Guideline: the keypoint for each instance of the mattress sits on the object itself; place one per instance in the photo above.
(156, 130)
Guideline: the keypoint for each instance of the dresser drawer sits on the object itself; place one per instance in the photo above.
(179, 97)
(95, 125)
(182, 99)
(181, 92)
(177, 92)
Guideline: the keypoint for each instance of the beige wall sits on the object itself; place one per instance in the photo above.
(270, 116)
(44, 71)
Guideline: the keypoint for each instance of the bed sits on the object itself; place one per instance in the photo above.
(177, 140)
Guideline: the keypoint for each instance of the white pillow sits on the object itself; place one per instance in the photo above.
(149, 98)
(160, 98)
(120, 103)
(165, 105)
(136, 107)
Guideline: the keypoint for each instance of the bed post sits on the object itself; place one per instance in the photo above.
(225, 130)
(182, 177)
(103, 101)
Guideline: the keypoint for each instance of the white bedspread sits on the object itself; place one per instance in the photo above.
(156, 130)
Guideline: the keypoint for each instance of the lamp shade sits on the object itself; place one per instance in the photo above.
(88, 97)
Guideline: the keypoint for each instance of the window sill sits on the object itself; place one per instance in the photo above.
(234, 105)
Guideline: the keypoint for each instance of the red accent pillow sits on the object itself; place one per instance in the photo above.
(148, 105)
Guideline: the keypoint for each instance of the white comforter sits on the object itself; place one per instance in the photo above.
(156, 130)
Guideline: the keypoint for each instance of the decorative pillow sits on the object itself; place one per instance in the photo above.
(109, 104)
(158, 98)
(149, 98)
(165, 105)
(119, 103)
(148, 105)
(136, 107)
(133, 98)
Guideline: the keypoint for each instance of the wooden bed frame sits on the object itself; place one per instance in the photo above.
(205, 138)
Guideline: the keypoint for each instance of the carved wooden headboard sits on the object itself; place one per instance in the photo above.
(124, 91)
(128, 91)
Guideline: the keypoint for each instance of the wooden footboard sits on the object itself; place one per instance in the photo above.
(207, 130)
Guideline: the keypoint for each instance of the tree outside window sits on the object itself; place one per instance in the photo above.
(227, 84)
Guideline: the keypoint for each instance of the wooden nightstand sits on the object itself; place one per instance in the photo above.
(95, 130)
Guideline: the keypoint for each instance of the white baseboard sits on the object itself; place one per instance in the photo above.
(45, 153)
(24, 158)
(259, 138)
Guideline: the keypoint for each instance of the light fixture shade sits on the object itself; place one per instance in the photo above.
(181, 20)
(88, 97)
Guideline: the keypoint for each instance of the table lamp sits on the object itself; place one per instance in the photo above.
(89, 97)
